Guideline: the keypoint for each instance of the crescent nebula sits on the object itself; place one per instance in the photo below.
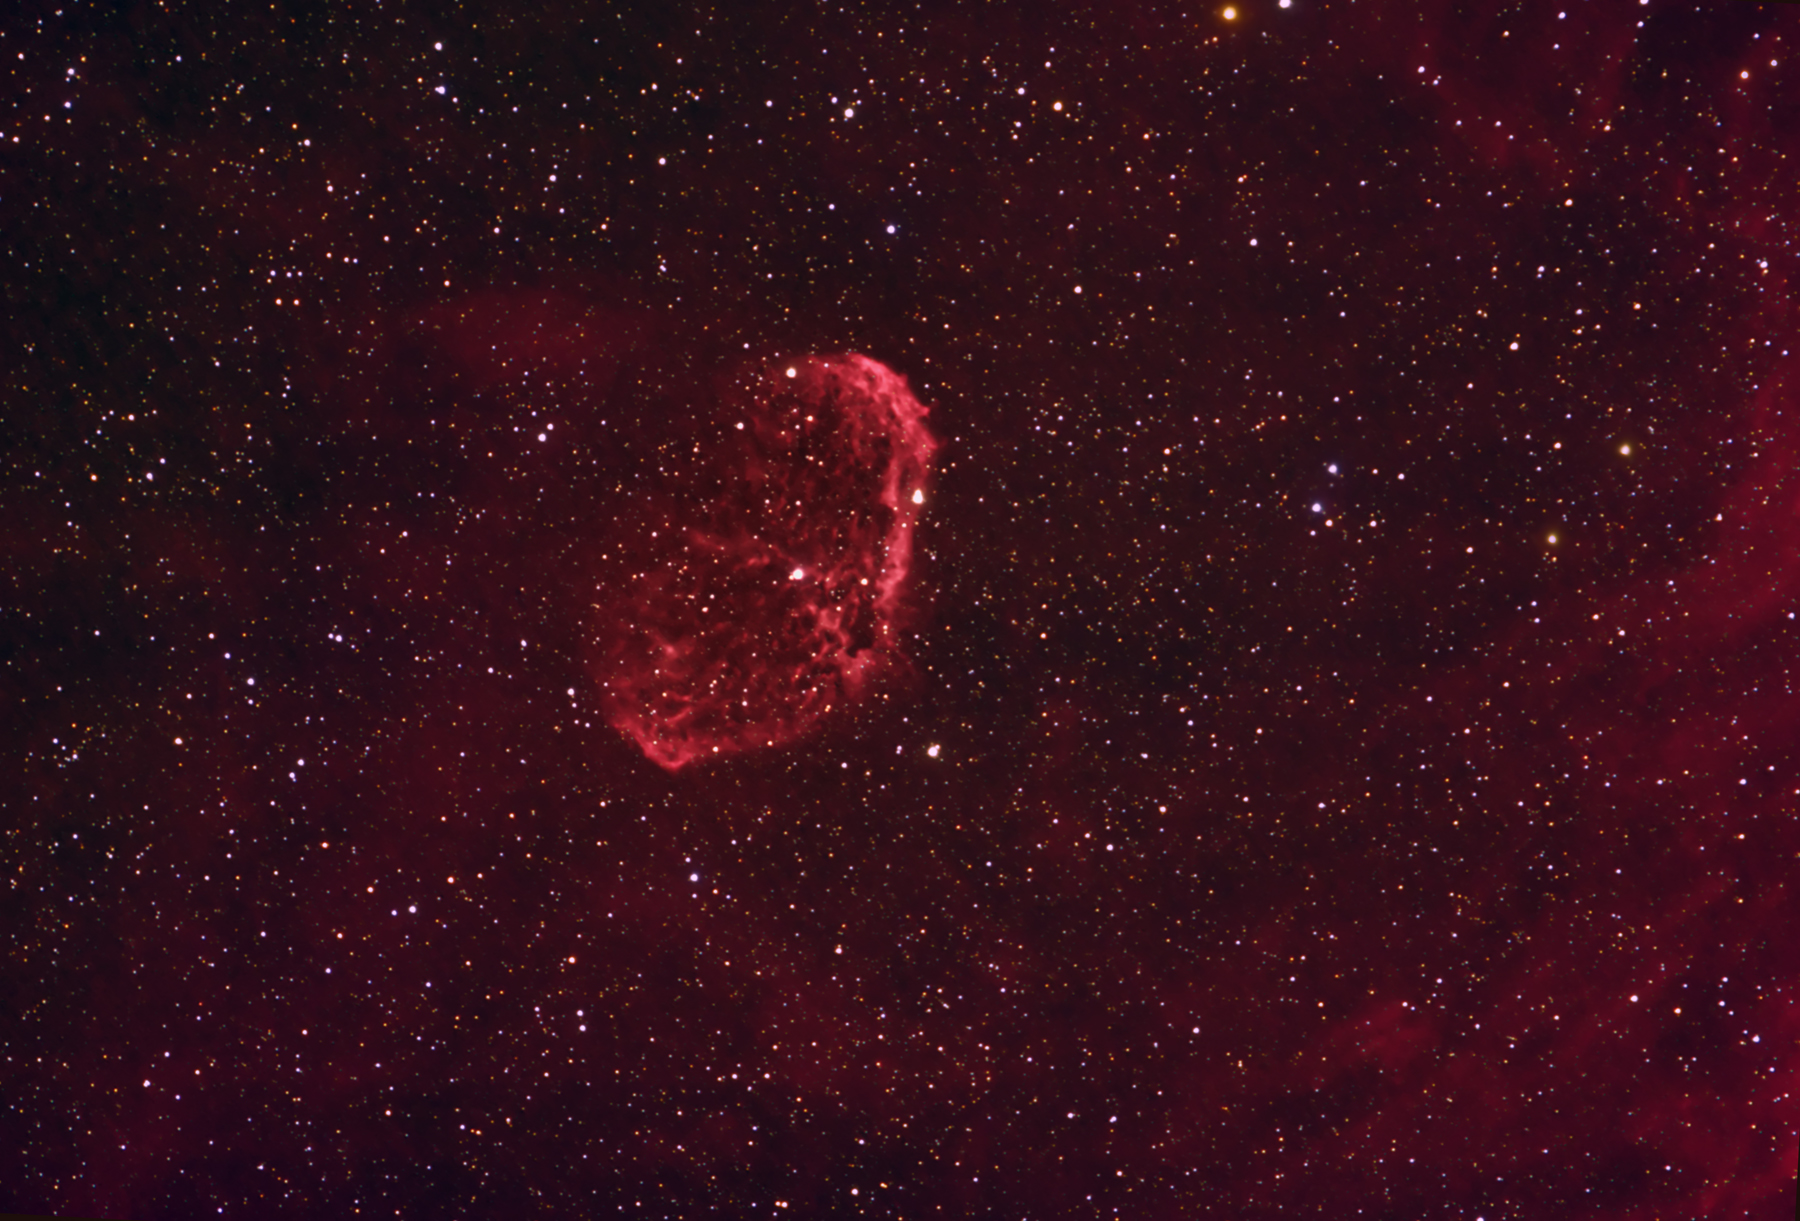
(775, 598)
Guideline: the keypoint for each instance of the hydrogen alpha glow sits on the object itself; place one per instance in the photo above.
(778, 601)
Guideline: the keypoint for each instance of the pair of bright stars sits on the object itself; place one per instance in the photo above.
(1230, 13)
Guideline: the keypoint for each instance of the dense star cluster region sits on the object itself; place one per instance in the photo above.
(1247, 672)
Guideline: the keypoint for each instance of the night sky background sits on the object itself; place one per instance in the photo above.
(1337, 754)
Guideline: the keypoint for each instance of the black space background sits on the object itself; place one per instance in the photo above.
(1427, 853)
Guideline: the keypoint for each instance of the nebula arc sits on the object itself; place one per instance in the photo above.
(779, 599)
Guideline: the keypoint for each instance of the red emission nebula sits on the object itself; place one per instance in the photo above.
(776, 594)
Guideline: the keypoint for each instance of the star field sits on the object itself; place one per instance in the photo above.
(1333, 747)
